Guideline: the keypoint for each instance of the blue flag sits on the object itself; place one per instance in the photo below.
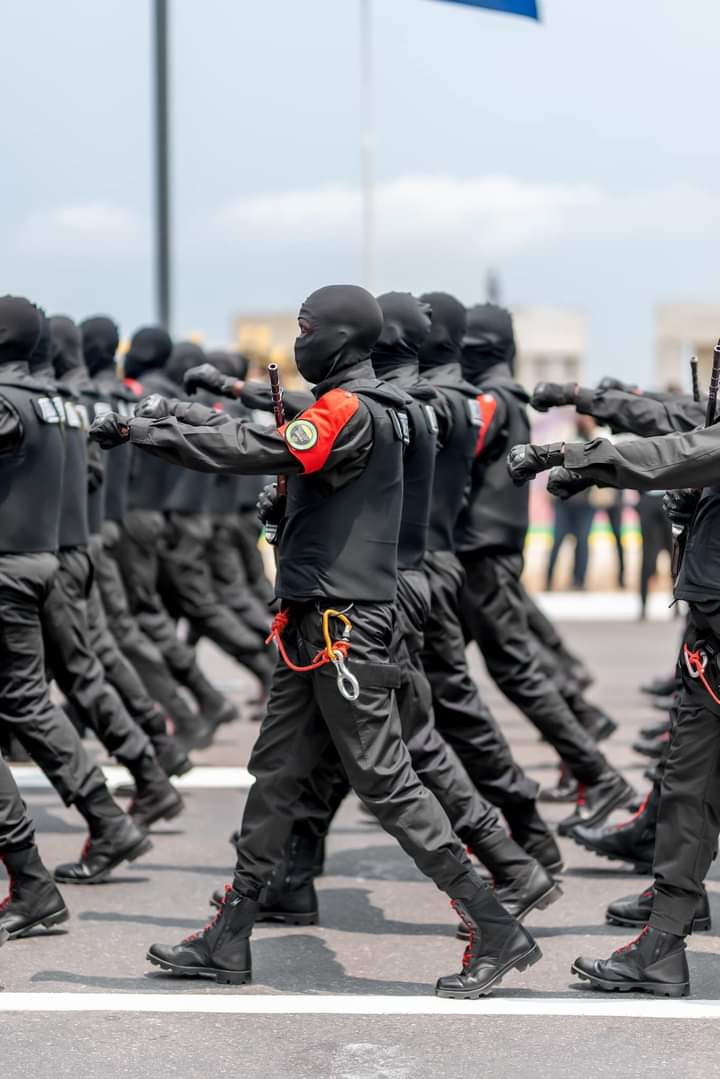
(512, 7)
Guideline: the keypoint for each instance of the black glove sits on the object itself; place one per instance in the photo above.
(207, 377)
(679, 506)
(109, 430)
(548, 395)
(563, 483)
(609, 383)
(270, 507)
(524, 462)
(153, 407)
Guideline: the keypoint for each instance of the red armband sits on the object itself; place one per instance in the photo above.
(311, 436)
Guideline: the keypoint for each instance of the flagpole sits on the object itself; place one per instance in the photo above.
(163, 280)
(367, 145)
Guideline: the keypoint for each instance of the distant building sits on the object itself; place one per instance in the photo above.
(683, 330)
(266, 337)
(551, 342)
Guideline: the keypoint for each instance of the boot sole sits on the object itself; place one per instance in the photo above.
(699, 925)
(622, 798)
(658, 989)
(529, 959)
(225, 977)
(542, 903)
(279, 917)
(170, 813)
(638, 867)
(131, 855)
(47, 922)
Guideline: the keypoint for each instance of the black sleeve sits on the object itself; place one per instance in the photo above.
(249, 449)
(640, 414)
(668, 461)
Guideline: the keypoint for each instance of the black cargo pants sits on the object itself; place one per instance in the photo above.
(305, 714)
(26, 709)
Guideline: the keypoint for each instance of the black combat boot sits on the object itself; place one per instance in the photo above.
(660, 687)
(155, 798)
(655, 748)
(531, 832)
(565, 790)
(216, 709)
(632, 841)
(597, 800)
(531, 889)
(221, 950)
(655, 962)
(634, 911)
(656, 729)
(497, 945)
(290, 897)
(114, 838)
(597, 723)
(33, 899)
(190, 728)
(170, 752)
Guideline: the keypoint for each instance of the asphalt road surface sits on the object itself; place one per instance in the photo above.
(353, 997)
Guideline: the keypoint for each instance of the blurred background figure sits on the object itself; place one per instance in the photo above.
(656, 537)
(574, 517)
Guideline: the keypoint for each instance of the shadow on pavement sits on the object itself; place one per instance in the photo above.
(350, 910)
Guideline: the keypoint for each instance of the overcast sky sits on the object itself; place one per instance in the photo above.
(579, 157)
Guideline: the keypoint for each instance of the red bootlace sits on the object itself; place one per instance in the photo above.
(632, 943)
(213, 921)
(470, 926)
(636, 816)
(581, 792)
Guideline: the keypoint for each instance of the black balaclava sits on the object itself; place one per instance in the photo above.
(41, 358)
(230, 364)
(100, 340)
(489, 341)
(20, 323)
(65, 346)
(185, 355)
(150, 349)
(406, 327)
(446, 333)
(339, 325)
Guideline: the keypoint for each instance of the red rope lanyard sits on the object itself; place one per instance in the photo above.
(696, 664)
(324, 656)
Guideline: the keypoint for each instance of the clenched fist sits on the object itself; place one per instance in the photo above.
(524, 462)
(109, 430)
(563, 483)
(547, 395)
(207, 377)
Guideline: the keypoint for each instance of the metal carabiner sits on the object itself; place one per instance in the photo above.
(693, 671)
(347, 683)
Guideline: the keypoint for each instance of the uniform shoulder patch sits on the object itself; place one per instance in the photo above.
(301, 434)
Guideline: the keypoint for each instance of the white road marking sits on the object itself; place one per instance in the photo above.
(241, 1003)
(603, 606)
(30, 778)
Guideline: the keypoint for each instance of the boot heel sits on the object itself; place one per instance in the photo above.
(701, 925)
(240, 977)
(551, 897)
(529, 960)
(56, 919)
(138, 851)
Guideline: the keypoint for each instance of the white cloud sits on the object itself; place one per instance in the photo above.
(493, 214)
(92, 228)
